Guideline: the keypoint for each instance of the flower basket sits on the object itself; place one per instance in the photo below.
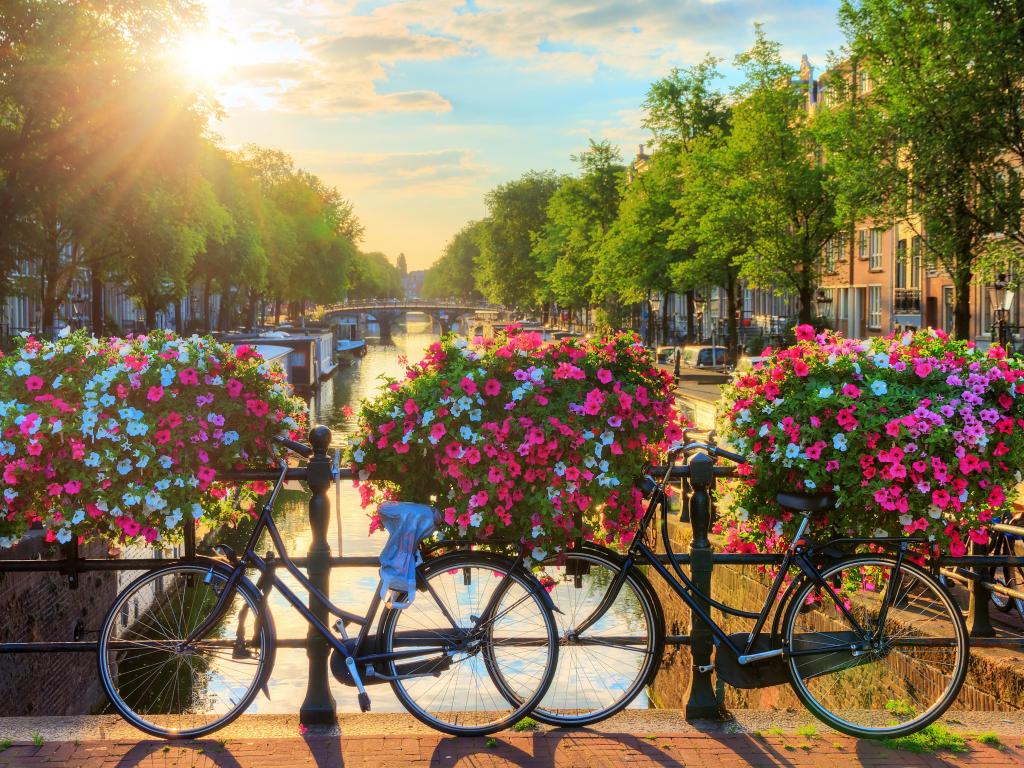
(123, 439)
(916, 434)
(519, 440)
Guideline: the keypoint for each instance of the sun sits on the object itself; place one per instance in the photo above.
(205, 57)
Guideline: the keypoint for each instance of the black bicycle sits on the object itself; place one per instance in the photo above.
(872, 644)
(185, 649)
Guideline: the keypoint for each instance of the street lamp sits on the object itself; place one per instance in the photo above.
(699, 304)
(823, 300)
(655, 302)
(1001, 300)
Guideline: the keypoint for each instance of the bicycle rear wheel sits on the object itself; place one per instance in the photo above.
(896, 686)
(167, 689)
(474, 617)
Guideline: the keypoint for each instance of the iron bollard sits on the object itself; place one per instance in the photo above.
(319, 707)
(677, 364)
(978, 622)
(701, 701)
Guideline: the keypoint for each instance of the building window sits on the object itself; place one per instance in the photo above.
(829, 262)
(875, 254)
(862, 244)
(875, 307)
(864, 83)
(949, 315)
(901, 264)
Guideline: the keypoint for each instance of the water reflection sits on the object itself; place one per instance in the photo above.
(351, 588)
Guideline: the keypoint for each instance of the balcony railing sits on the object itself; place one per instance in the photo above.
(906, 301)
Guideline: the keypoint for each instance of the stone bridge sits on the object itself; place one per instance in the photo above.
(386, 311)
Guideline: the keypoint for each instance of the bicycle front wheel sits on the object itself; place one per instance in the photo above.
(611, 644)
(475, 618)
(175, 690)
(895, 685)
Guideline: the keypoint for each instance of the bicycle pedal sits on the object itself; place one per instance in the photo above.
(364, 702)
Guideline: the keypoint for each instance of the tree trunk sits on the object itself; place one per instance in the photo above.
(691, 335)
(649, 325)
(96, 285)
(733, 325)
(207, 305)
(223, 318)
(253, 300)
(962, 304)
(664, 320)
(179, 316)
(277, 310)
(150, 307)
(806, 296)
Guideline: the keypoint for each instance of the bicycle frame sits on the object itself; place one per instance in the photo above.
(683, 586)
(269, 579)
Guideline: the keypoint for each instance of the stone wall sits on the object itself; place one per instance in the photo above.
(41, 607)
(995, 679)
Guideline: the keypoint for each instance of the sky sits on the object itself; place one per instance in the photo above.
(414, 109)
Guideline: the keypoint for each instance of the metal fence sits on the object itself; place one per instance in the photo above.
(319, 474)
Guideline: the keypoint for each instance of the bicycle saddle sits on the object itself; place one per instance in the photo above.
(806, 502)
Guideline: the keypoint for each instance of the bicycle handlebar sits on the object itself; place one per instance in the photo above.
(299, 448)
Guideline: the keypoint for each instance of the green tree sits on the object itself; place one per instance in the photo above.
(780, 194)
(940, 130)
(507, 272)
(579, 216)
(637, 257)
(454, 274)
(403, 267)
(375, 277)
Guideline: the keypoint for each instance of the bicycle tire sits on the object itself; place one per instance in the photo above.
(599, 676)
(191, 583)
(458, 587)
(922, 609)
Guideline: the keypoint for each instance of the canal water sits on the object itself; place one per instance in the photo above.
(351, 588)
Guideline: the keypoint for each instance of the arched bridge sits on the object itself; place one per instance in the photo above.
(386, 311)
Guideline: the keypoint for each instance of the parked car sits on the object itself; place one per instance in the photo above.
(666, 355)
(707, 358)
(747, 362)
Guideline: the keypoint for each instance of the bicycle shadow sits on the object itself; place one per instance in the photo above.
(545, 749)
(204, 752)
(325, 750)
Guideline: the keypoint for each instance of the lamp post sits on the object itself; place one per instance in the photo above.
(823, 301)
(699, 304)
(1001, 300)
(655, 302)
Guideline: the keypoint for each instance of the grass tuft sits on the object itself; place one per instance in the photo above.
(5, 744)
(526, 724)
(989, 739)
(37, 738)
(491, 743)
(807, 731)
(899, 708)
(934, 738)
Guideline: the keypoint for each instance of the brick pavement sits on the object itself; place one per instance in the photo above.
(552, 749)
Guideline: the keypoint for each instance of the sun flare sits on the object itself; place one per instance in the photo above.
(206, 57)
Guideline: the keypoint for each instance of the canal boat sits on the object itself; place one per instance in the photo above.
(347, 351)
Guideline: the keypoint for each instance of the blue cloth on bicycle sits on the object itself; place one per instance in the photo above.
(407, 525)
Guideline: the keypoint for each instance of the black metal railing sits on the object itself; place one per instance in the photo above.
(319, 705)
(906, 301)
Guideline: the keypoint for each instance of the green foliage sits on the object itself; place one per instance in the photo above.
(526, 724)
(933, 738)
(454, 274)
(899, 708)
(807, 731)
(507, 272)
(374, 276)
(989, 739)
(5, 744)
(937, 138)
(37, 738)
(491, 743)
(579, 216)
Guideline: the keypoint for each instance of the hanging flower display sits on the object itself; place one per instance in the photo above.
(123, 439)
(516, 439)
(915, 434)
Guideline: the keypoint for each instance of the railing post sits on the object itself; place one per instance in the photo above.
(319, 706)
(978, 622)
(701, 701)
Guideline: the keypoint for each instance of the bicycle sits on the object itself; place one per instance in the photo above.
(1012, 576)
(185, 649)
(846, 658)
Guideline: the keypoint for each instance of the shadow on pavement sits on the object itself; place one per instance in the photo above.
(205, 752)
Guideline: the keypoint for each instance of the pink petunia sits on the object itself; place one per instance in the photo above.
(33, 383)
